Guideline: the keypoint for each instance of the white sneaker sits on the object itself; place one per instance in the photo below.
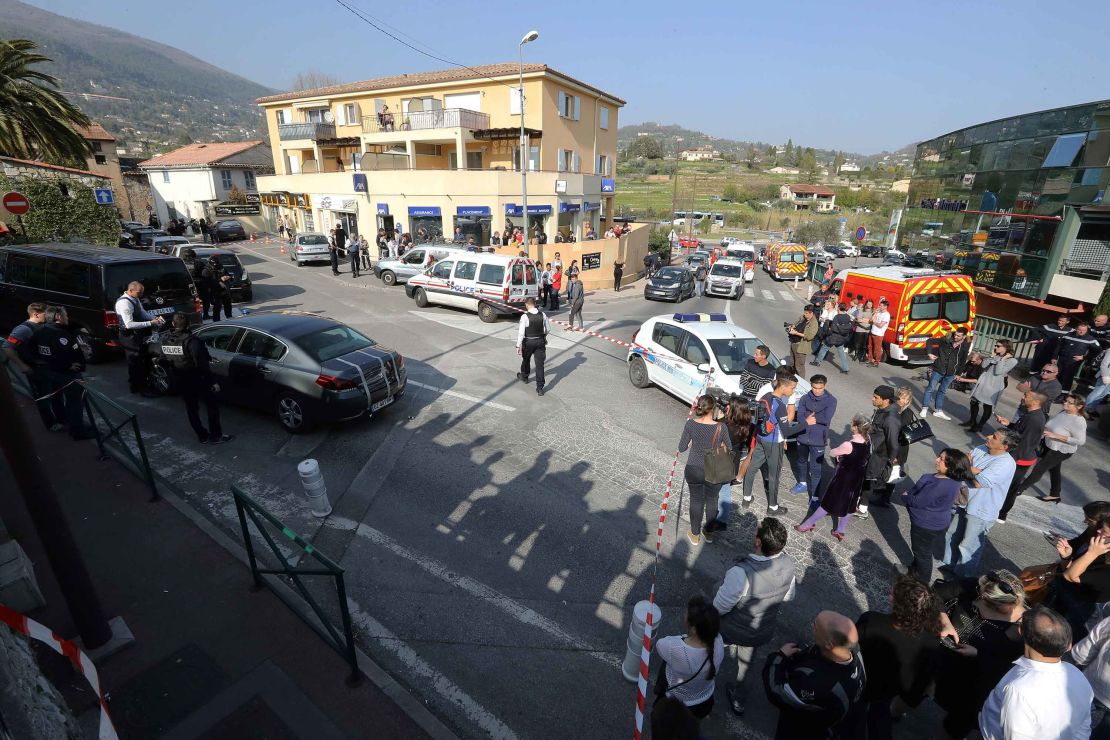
(942, 415)
(924, 412)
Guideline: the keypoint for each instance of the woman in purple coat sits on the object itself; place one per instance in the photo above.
(930, 503)
(842, 493)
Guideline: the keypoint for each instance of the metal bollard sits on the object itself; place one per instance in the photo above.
(314, 487)
(631, 667)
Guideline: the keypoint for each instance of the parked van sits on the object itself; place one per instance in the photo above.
(463, 279)
(412, 263)
(786, 261)
(924, 304)
(86, 280)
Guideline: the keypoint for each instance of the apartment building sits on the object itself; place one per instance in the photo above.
(433, 152)
(809, 197)
(104, 160)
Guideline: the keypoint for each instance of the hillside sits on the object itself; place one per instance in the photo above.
(172, 97)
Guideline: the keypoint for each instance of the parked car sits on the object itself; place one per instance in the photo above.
(301, 368)
(670, 284)
(835, 252)
(849, 249)
(228, 231)
(311, 246)
(871, 251)
(145, 239)
(691, 242)
(167, 244)
(412, 263)
(196, 256)
(894, 255)
(86, 280)
(485, 283)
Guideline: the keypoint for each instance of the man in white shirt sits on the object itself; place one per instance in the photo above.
(135, 325)
(531, 341)
(1093, 655)
(880, 320)
(1041, 698)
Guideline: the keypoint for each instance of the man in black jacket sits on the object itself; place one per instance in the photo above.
(949, 356)
(64, 366)
(1047, 338)
(1073, 349)
(838, 335)
(886, 425)
(188, 360)
(1031, 428)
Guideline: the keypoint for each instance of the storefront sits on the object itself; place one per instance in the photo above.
(537, 218)
(591, 212)
(425, 223)
(569, 219)
(474, 221)
(294, 208)
(338, 209)
(385, 220)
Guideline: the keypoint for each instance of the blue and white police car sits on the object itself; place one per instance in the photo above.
(678, 352)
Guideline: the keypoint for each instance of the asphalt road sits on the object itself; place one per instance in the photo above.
(495, 542)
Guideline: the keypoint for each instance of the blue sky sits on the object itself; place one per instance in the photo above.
(859, 75)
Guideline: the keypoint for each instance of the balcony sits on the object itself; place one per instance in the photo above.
(313, 131)
(447, 118)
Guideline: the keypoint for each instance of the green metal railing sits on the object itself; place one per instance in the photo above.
(343, 641)
(986, 331)
(100, 411)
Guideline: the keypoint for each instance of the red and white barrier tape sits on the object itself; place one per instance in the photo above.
(32, 629)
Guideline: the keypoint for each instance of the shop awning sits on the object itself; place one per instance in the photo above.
(491, 134)
(473, 211)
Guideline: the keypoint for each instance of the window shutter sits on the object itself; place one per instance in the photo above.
(562, 105)
(577, 162)
(597, 164)
(358, 115)
(341, 115)
(577, 108)
(559, 160)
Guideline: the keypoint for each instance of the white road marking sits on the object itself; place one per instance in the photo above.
(479, 590)
(787, 295)
(768, 295)
(417, 666)
(463, 396)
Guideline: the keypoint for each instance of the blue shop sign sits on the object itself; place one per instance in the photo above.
(608, 185)
(360, 183)
(511, 209)
(588, 206)
(570, 207)
(383, 209)
(473, 211)
(418, 211)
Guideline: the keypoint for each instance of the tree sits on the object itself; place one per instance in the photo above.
(36, 120)
(826, 230)
(312, 79)
(731, 193)
(237, 196)
(807, 163)
(752, 156)
(838, 161)
(789, 153)
(647, 147)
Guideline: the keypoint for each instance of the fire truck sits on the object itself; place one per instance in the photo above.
(924, 303)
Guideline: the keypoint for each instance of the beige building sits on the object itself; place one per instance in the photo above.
(809, 197)
(701, 154)
(432, 152)
(104, 160)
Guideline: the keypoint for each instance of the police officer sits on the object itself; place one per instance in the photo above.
(135, 327)
(188, 360)
(21, 352)
(64, 366)
(353, 254)
(217, 285)
(531, 341)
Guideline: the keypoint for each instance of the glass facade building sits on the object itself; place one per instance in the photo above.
(1018, 204)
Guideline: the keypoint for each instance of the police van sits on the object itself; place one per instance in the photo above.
(489, 284)
(678, 351)
(726, 278)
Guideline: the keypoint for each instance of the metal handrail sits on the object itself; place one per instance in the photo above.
(343, 643)
(424, 120)
(987, 330)
(305, 130)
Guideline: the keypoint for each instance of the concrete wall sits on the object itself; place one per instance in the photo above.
(630, 248)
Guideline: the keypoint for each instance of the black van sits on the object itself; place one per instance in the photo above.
(86, 280)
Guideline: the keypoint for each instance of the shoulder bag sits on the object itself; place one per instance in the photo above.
(1036, 579)
(916, 431)
(661, 686)
(719, 468)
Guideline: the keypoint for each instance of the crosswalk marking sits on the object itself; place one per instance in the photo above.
(768, 295)
(786, 295)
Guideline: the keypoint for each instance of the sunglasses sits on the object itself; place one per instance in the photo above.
(1003, 586)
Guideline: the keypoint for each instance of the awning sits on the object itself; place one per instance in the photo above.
(473, 211)
(490, 134)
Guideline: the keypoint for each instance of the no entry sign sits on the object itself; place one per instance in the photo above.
(861, 234)
(16, 203)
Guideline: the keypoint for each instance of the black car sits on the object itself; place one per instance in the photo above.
(196, 258)
(145, 239)
(228, 231)
(871, 251)
(670, 284)
(86, 280)
(302, 368)
(836, 251)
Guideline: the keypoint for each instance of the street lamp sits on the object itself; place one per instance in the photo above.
(528, 38)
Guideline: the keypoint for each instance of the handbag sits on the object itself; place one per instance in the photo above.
(1036, 579)
(916, 431)
(719, 468)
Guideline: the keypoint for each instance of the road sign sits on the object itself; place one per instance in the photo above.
(104, 196)
(673, 237)
(861, 234)
(16, 203)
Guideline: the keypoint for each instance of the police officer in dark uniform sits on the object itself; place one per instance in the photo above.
(531, 341)
(188, 360)
(135, 326)
(21, 352)
(217, 284)
(64, 366)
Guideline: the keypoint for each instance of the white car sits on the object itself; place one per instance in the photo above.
(849, 249)
(310, 246)
(726, 278)
(894, 254)
(678, 351)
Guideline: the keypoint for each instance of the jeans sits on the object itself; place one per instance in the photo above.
(1100, 721)
(354, 264)
(724, 505)
(921, 545)
(938, 386)
(766, 459)
(699, 287)
(840, 352)
(1099, 392)
(963, 543)
(702, 511)
(806, 464)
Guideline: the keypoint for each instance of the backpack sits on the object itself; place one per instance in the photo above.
(765, 421)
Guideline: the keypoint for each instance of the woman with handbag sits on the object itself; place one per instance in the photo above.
(906, 418)
(691, 660)
(930, 503)
(840, 496)
(1064, 434)
(990, 384)
(740, 422)
(708, 466)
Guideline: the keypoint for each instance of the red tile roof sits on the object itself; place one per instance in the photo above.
(199, 155)
(425, 78)
(45, 166)
(809, 190)
(94, 132)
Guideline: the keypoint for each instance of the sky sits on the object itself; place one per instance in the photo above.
(860, 76)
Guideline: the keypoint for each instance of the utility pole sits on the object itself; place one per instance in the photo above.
(674, 195)
(50, 522)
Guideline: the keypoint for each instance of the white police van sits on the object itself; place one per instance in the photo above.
(489, 284)
(726, 278)
(677, 351)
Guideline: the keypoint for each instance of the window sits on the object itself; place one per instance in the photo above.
(442, 270)
(282, 117)
(603, 117)
(318, 115)
(602, 165)
(957, 307)
(695, 350)
(26, 269)
(165, 175)
(220, 337)
(351, 114)
(570, 106)
(64, 276)
(100, 159)
(1064, 150)
(466, 270)
(96, 147)
(533, 158)
(336, 341)
(257, 344)
(309, 221)
(925, 307)
(248, 176)
(473, 160)
(518, 274)
(668, 337)
(568, 161)
(466, 101)
(491, 274)
(733, 354)
(225, 178)
(414, 258)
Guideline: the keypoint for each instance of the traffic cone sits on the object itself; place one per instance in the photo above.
(282, 250)
(253, 236)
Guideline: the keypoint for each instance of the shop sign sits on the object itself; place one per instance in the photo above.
(591, 261)
(283, 199)
(512, 209)
(588, 206)
(418, 211)
(570, 207)
(302, 200)
(473, 211)
(253, 198)
(608, 185)
(337, 202)
(383, 209)
(251, 209)
(360, 182)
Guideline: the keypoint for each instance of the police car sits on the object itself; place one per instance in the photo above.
(678, 351)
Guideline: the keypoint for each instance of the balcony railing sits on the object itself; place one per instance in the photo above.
(425, 120)
(314, 131)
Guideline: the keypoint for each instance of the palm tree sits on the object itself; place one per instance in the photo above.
(36, 120)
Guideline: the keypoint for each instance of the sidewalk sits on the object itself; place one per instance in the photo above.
(211, 657)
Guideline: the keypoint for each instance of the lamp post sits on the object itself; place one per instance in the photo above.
(528, 38)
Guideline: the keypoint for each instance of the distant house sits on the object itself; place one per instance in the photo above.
(190, 181)
(104, 160)
(850, 167)
(701, 154)
(809, 197)
(783, 170)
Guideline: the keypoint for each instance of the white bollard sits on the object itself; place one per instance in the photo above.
(631, 667)
(795, 283)
(314, 488)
